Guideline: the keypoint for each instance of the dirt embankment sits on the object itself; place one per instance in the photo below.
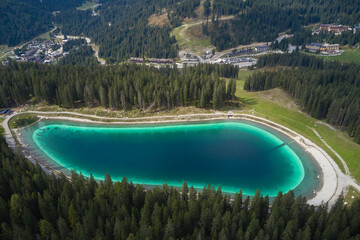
(159, 20)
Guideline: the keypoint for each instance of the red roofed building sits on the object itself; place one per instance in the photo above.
(337, 29)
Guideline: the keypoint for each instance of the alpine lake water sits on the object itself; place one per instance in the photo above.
(233, 154)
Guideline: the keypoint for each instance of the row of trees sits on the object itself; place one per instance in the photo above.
(117, 87)
(331, 92)
(297, 59)
(35, 205)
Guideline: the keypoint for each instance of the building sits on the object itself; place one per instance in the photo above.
(337, 29)
(331, 47)
(137, 60)
(356, 29)
(240, 52)
(207, 55)
(30, 53)
(262, 48)
(162, 60)
(328, 48)
(4, 112)
(313, 47)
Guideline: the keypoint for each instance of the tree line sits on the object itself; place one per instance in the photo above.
(35, 205)
(116, 87)
(329, 91)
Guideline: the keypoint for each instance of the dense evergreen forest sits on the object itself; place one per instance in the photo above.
(74, 43)
(116, 87)
(34, 205)
(257, 21)
(325, 90)
(79, 54)
(21, 20)
(83, 55)
(122, 29)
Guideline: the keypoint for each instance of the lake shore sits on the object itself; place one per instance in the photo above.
(334, 182)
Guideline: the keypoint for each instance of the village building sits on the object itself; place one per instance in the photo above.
(262, 48)
(207, 55)
(240, 52)
(328, 48)
(337, 29)
(331, 47)
(5, 112)
(313, 47)
(356, 29)
(137, 60)
(162, 60)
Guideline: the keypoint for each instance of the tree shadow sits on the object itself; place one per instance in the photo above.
(248, 101)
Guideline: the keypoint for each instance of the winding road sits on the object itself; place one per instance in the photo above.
(92, 45)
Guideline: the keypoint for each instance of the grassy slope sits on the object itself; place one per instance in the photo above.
(277, 106)
(22, 120)
(86, 5)
(348, 149)
(351, 196)
(187, 40)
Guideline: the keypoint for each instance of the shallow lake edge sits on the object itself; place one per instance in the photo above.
(264, 122)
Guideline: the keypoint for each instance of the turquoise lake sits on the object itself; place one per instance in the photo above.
(234, 154)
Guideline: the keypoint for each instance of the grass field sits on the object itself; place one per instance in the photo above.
(352, 55)
(351, 196)
(86, 5)
(45, 36)
(277, 106)
(22, 120)
(4, 52)
(343, 145)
